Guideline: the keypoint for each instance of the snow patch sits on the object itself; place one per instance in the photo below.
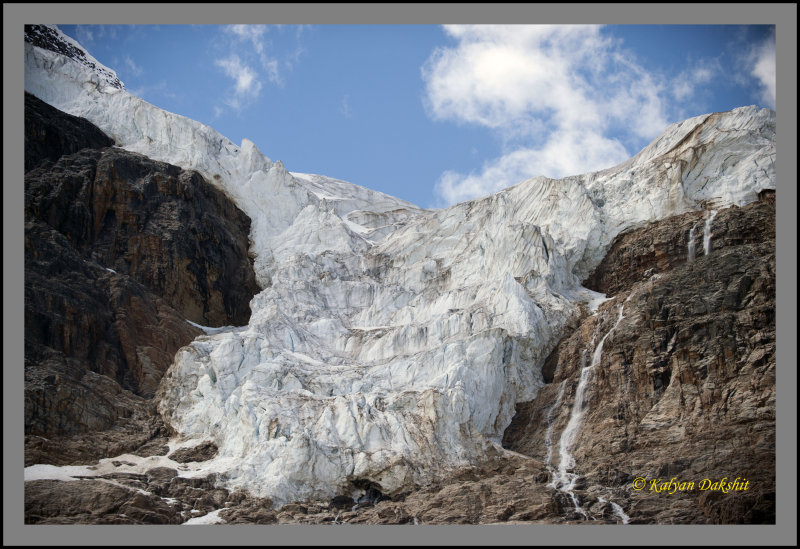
(210, 518)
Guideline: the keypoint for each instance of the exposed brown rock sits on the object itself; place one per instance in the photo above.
(686, 383)
(202, 452)
(662, 246)
(250, 511)
(166, 228)
(508, 488)
(94, 502)
(141, 434)
(119, 252)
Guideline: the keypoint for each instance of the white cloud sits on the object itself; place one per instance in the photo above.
(685, 84)
(554, 94)
(246, 83)
(135, 69)
(255, 35)
(84, 34)
(247, 54)
(565, 153)
(762, 67)
(344, 106)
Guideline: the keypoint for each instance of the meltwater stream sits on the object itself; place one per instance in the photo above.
(548, 437)
(690, 257)
(707, 232)
(618, 511)
(563, 479)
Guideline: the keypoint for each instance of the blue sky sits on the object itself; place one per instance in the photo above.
(436, 115)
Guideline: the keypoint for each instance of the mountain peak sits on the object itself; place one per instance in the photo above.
(50, 37)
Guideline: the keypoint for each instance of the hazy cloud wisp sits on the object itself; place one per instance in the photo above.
(250, 64)
(246, 83)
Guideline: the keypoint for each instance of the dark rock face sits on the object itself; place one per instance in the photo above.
(94, 502)
(51, 134)
(156, 497)
(120, 251)
(166, 228)
(685, 386)
(663, 246)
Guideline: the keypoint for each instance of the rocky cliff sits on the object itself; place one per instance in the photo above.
(120, 252)
(685, 383)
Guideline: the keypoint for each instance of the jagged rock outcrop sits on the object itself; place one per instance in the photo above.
(119, 252)
(94, 502)
(49, 38)
(685, 386)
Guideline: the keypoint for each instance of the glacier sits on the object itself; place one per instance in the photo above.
(390, 344)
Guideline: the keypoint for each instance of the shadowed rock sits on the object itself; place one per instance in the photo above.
(51, 134)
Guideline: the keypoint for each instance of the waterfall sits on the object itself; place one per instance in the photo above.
(548, 437)
(707, 232)
(598, 352)
(618, 510)
(691, 243)
(562, 479)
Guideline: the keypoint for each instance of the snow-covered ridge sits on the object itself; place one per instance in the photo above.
(391, 344)
(48, 37)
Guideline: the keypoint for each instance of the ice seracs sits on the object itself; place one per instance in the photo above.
(390, 344)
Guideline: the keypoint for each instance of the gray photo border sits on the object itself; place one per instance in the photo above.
(784, 16)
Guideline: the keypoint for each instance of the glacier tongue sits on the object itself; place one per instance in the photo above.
(390, 343)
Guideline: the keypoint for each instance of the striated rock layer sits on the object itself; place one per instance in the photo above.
(390, 346)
